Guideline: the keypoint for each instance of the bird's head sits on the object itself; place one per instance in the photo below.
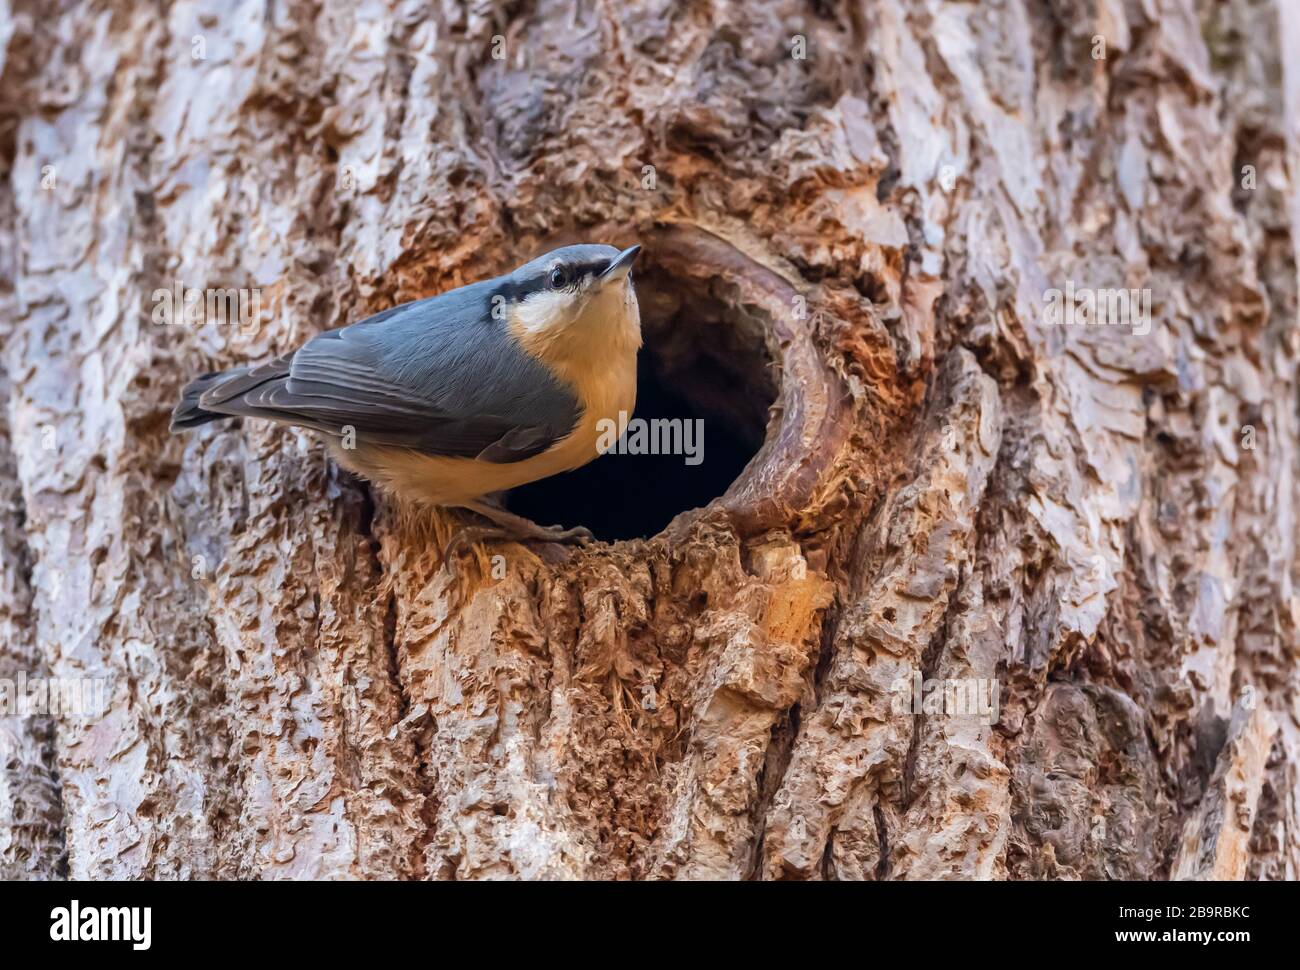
(574, 303)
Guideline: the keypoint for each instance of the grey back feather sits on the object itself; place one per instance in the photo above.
(441, 376)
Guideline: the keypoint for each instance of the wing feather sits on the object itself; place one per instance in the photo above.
(441, 376)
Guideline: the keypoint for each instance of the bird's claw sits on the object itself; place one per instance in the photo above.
(579, 534)
(471, 534)
(466, 537)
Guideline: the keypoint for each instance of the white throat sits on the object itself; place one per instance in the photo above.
(604, 328)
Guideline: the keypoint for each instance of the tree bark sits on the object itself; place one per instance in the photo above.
(856, 213)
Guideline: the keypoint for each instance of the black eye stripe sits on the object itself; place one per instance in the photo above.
(574, 272)
(518, 286)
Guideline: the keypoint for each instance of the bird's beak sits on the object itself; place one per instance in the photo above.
(620, 265)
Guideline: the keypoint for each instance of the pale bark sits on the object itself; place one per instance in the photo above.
(1101, 521)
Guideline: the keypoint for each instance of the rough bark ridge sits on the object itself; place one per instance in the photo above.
(1099, 520)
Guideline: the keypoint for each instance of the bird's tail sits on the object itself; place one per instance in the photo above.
(189, 413)
(226, 395)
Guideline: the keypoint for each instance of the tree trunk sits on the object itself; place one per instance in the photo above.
(871, 235)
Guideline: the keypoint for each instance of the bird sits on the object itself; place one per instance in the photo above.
(452, 400)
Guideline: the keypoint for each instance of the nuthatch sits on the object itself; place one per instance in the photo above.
(449, 399)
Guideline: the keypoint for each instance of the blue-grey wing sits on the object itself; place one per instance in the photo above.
(441, 376)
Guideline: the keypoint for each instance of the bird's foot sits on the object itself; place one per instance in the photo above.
(558, 533)
(532, 533)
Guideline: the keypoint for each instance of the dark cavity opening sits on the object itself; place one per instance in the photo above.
(702, 360)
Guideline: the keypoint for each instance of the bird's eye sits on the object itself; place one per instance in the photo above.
(558, 278)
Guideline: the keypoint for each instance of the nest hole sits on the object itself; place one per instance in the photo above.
(703, 360)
